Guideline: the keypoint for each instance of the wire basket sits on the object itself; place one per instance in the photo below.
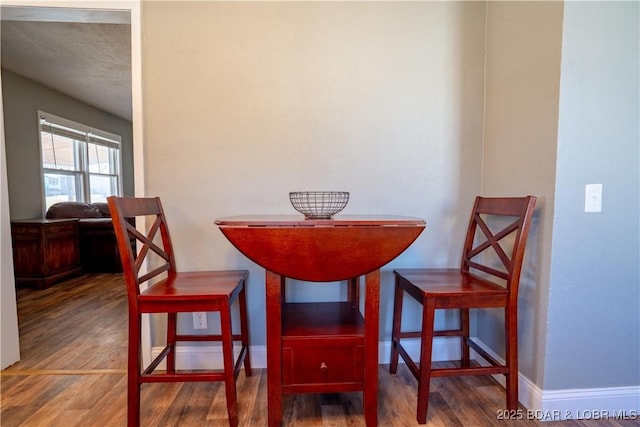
(319, 204)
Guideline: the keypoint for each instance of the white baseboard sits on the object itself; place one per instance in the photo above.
(594, 404)
(555, 405)
(543, 405)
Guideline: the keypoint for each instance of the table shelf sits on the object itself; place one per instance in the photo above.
(321, 319)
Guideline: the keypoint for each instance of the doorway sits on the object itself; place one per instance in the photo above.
(63, 13)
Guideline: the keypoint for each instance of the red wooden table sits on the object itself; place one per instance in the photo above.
(322, 347)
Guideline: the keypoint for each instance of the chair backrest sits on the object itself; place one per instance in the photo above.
(123, 210)
(494, 223)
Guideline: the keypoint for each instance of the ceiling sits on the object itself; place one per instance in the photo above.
(85, 54)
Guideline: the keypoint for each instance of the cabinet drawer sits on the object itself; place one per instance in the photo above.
(323, 362)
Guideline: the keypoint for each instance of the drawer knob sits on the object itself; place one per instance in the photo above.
(324, 367)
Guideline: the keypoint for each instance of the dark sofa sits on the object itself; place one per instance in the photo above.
(97, 243)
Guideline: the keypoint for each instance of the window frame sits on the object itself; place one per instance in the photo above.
(83, 136)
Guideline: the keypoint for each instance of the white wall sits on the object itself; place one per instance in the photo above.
(245, 102)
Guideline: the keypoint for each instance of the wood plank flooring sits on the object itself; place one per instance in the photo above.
(73, 373)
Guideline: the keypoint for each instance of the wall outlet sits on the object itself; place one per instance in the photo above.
(200, 320)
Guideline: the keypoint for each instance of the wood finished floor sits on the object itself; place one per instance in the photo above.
(73, 373)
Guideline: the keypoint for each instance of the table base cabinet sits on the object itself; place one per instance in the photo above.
(322, 348)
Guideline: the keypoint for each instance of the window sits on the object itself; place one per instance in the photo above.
(79, 163)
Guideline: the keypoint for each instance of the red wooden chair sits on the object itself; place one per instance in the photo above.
(172, 292)
(483, 280)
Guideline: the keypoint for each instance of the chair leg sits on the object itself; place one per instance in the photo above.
(511, 351)
(464, 327)
(228, 360)
(133, 372)
(171, 341)
(397, 327)
(426, 347)
(244, 328)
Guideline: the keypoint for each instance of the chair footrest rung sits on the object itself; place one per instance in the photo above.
(240, 360)
(482, 352)
(217, 337)
(447, 333)
(475, 370)
(410, 334)
(148, 371)
(182, 377)
(154, 364)
(413, 367)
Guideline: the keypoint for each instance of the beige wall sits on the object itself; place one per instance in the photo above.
(523, 52)
(244, 102)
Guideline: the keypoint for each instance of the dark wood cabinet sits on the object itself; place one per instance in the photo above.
(45, 251)
(98, 247)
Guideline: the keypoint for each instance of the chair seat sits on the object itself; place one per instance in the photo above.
(195, 285)
(192, 291)
(445, 282)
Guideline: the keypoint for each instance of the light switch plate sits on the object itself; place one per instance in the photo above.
(593, 198)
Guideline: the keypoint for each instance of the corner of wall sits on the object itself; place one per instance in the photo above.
(10, 349)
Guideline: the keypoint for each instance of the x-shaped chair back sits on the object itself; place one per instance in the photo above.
(154, 241)
(496, 238)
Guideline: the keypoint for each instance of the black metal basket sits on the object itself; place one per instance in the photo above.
(319, 204)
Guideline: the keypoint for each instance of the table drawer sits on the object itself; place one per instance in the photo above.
(322, 362)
